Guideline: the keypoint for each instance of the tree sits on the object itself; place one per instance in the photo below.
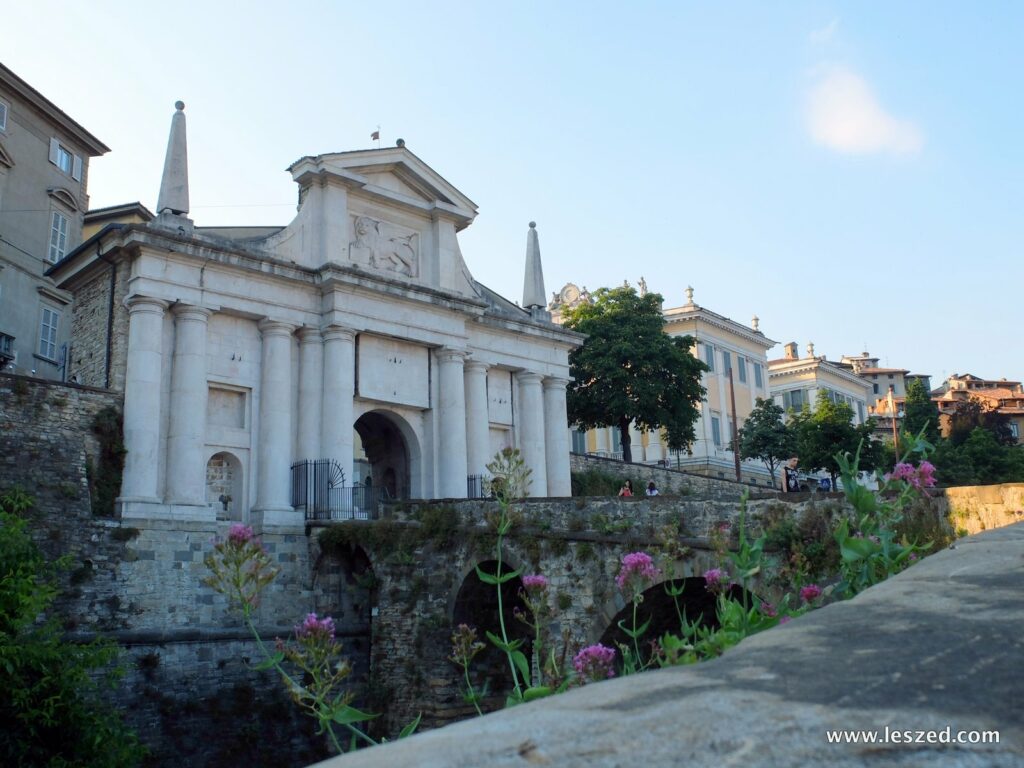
(829, 430)
(629, 370)
(919, 411)
(971, 413)
(50, 713)
(765, 436)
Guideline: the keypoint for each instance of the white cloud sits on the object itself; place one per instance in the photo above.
(844, 114)
(826, 33)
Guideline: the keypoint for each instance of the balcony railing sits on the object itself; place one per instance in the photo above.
(319, 490)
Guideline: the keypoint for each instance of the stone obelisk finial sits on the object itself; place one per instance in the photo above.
(173, 197)
(534, 295)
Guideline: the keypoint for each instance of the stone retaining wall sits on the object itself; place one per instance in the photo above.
(669, 481)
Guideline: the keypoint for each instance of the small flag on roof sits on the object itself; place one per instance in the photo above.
(375, 136)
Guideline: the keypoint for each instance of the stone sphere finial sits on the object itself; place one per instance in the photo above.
(400, 143)
(755, 323)
(533, 225)
(810, 349)
(179, 105)
(689, 294)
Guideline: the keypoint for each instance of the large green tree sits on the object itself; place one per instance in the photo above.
(629, 370)
(969, 414)
(829, 430)
(920, 412)
(765, 436)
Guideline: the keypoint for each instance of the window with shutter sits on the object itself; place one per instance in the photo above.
(741, 366)
(58, 237)
(48, 333)
(3, 116)
(76, 168)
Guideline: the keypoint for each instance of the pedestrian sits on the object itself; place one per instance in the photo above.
(652, 489)
(626, 489)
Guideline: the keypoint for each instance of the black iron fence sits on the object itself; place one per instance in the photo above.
(319, 490)
(476, 487)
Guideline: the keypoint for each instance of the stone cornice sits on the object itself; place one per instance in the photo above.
(699, 313)
(814, 365)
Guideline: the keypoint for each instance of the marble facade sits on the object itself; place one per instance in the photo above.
(358, 323)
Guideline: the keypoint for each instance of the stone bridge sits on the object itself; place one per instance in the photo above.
(401, 584)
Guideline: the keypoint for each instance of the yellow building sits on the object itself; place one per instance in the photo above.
(724, 345)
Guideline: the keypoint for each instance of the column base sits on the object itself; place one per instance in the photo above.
(134, 508)
(277, 517)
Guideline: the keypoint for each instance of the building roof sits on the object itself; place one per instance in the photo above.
(95, 215)
(697, 312)
(93, 146)
(884, 370)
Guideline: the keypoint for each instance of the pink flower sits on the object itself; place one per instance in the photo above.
(810, 593)
(313, 628)
(913, 557)
(594, 663)
(535, 583)
(767, 609)
(239, 535)
(921, 476)
(713, 577)
(785, 620)
(636, 573)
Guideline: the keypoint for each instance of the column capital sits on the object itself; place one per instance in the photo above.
(191, 312)
(451, 355)
(145, 304)
(475, 366)
(529, 377)
(269, 327)
(310, 335)
(337, 332)
(555, 382)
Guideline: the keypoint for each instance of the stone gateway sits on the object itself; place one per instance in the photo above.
(351, 351)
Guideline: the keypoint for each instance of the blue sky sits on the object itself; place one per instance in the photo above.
(852, 173)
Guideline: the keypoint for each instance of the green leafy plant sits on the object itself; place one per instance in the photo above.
(51, 713)
(310, 665)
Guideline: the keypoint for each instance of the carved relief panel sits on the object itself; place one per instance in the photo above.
(384, 246)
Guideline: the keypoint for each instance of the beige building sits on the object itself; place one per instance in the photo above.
(795, 381)
(44, 173)
(126, 213)
(1000, 395)
(724, 345)
(888, 391)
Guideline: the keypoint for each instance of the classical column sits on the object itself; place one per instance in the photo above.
(142, 398)
(186, 432)
(556, 438)
(452, 424)
(339, 389)
(531, 430)
(636, 444)
(273, 498)
(655, 448)
(478, 427)
(311, 387)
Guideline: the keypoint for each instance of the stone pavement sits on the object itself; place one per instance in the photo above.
(942, 644)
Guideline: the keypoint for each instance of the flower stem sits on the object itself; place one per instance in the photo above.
(636, 645)
(469, 687)
(501, 611)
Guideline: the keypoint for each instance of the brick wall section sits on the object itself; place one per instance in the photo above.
(669, 481)
(979, 507)
(89, 321)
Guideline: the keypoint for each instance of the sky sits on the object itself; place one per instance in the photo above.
(851, 173)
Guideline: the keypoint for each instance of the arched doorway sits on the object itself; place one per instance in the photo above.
(386, 454)
(697, 603)
(476, 605)
(224, 487)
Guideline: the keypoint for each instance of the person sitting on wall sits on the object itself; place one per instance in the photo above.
(626, 489)
(652, 489)
(790, 479)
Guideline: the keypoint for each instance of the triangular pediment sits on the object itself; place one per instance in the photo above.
(394, 171)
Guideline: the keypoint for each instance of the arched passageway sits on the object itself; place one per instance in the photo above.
(224, 487)
(386, 454)
(696, 603)
(476, 605)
